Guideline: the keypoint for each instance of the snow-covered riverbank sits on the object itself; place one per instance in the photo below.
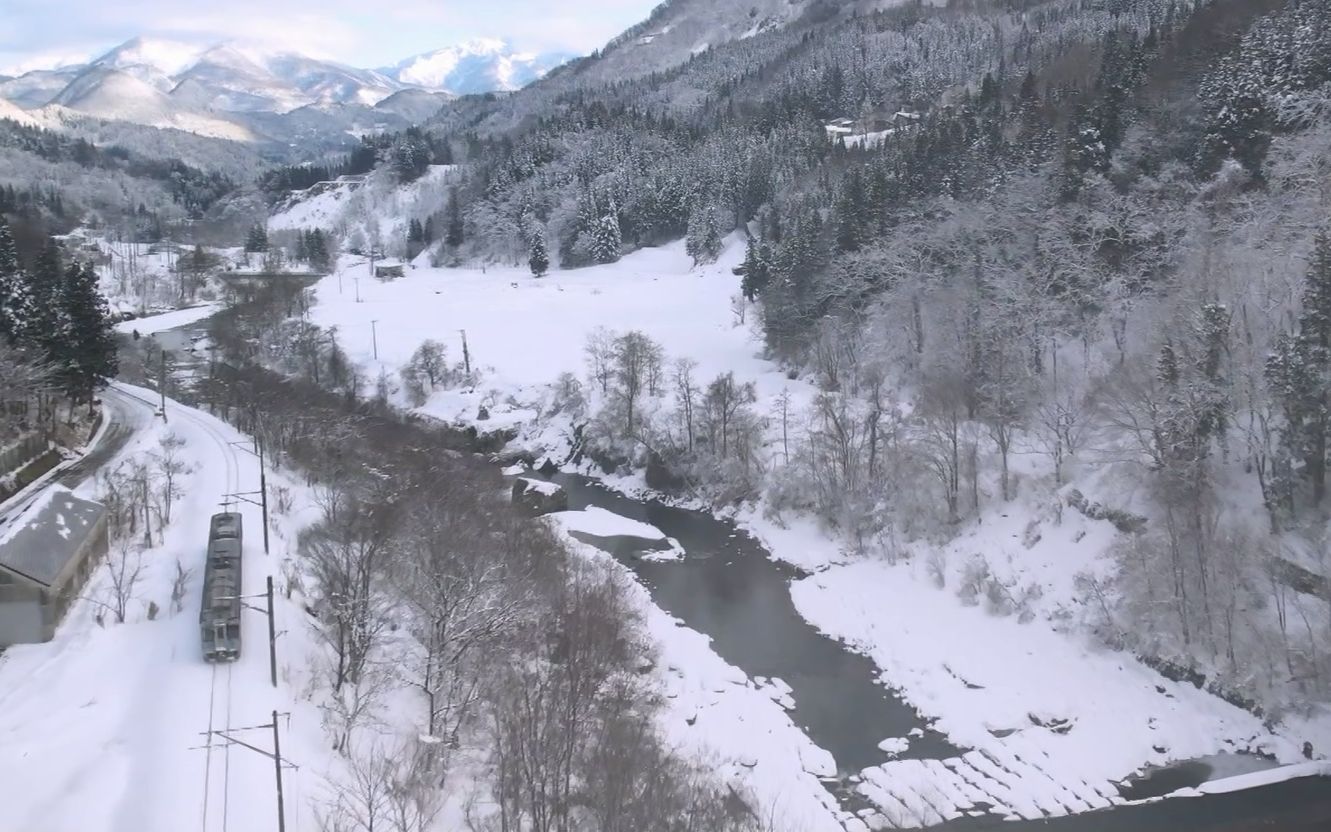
(1052, 720)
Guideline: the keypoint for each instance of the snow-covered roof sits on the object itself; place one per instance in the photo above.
(41, 542)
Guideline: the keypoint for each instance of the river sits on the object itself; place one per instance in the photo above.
(728, 588)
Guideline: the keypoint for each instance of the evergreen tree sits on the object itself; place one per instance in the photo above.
(850, 211)
(87, 355)
(454, 231)
(15, 294)
(1299, 369)
(757, 268)
(606, 241)
(45, 323)
(539, 258)
(256, 241)
(320, 258)
(704, 237)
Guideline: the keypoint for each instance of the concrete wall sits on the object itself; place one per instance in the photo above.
(23, 617)
(14, 456)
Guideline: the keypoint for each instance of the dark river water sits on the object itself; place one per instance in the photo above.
(727, 588)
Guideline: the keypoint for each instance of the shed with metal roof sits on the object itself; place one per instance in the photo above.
(46, 556)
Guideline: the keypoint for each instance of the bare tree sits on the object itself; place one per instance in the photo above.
(637, 362)
(686, 395)
(124, 568)
(600, 354)
(169, 468)
(346, 552)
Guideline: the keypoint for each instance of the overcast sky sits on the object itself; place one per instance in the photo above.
(366, 33)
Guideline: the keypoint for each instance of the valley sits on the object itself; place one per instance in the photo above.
(809, 416)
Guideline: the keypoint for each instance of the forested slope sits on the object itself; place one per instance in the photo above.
(1050, 243)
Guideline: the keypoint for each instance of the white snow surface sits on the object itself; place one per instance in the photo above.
(525, 331)
(151, 324)
(599, 522)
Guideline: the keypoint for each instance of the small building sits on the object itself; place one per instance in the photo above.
(840, 127)
(389, 272)
(46, 556)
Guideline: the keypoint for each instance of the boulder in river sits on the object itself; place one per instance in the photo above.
(539, 496)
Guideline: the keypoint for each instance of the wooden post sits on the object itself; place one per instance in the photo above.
(466, 354)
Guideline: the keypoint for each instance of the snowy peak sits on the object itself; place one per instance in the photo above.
(163, 57)
(221, 89)
(480, 65)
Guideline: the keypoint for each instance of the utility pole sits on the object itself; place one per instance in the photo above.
(277, 761)
(272, 640)
(466, 355)
(272, 623)
(275, 755)
(263, 494)
(357, 288)
(374, 338)
(161, 381)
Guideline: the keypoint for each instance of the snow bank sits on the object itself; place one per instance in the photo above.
(715, 714)
(1053, 722)
(151, 324)
(599, 523)
(1269, 777)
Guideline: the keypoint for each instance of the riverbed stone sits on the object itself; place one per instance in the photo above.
(539, 496)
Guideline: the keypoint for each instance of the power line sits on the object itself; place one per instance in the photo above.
(275, 755)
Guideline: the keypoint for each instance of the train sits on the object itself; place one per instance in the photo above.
(219, 613)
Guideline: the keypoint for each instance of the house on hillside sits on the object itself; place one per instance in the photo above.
(46, 555)
(389, 271)
(840, 127)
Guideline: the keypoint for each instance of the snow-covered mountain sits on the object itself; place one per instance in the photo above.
(233, 91)
(481, 65)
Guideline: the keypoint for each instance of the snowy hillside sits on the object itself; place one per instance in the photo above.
(114, 94)
(365, 209)
(997, 679)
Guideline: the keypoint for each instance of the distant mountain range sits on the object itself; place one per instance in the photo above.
(232, 91)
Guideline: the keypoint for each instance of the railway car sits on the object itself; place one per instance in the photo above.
(225, 525)
(219, 613)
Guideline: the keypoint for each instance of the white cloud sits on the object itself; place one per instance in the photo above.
(46, 60)
(39, 32)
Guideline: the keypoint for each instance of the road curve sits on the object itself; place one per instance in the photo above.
(123, 419)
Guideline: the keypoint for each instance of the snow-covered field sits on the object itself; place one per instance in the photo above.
(523, 332)
(1052, 721)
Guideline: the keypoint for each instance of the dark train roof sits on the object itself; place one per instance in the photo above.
(226, 547)
(226, 524)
